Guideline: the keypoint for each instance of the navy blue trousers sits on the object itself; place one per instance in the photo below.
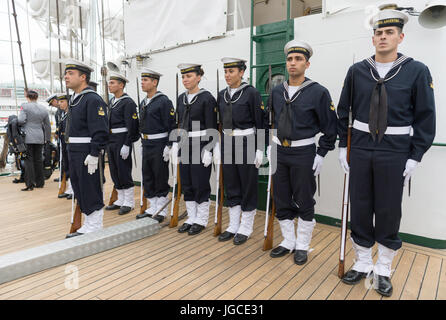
(86, 187)
(155, 171)
(120, 169)
(294, 183)
(376, 190)
(240, 176)
(195, 177)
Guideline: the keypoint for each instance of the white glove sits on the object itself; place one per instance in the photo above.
(317, 164)
(217, 154)
(207, 158)
(343, 159)
(92, 163)
(268, 153)
(259, 158)
(410, 169)
(125, 151)
(166, 153)
(174, 153)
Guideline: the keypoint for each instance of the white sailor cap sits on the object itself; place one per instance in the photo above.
(233, 63)
(51, 97)
(112, 75)
(77, 65)
(150, 74)
(389, 18)
(295, 46)
(62, 96)
(189, 67)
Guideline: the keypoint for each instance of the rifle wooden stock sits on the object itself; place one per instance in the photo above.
(174, 219)
(268, 242)
(113, 197)
(144, 205)
(217, 228)
(77, 223)
(63, 184)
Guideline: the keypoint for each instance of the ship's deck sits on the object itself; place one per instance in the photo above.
(170, 265)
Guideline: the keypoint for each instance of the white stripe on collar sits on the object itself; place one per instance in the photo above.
(194, 98)
(243, 85)
(302, 86)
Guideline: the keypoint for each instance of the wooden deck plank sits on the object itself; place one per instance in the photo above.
(284, 286)
(332, 280)
(255, 276)
(441, 290)
(401, 273)
(214, 292)
(430, 282)
(208, 272)
(49, 284)
(232, 267)
(415, 279)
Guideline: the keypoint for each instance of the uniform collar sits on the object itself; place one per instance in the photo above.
(185, 94)
(157, 94)
(307, 82)
(243, 85)
(397, 64)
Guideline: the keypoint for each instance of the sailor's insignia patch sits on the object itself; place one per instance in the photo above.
(262, 106)
(172, 112)
(215, 109)
(134, 116)
(101, 112)
(332, 107)
(431, 85)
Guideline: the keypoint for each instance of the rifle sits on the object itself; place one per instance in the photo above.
(63, 184)
(113, 196)
(269, 220)
(219, 182)
(176, 176)
(143, 199)
(76, 217)
(346, 192)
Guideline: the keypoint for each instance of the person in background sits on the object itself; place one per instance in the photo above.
(35, 122)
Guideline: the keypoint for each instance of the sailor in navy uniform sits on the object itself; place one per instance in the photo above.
(393, 113)
(52, 102)
(242, 113)
(62, 99)
(124, 130)
(157, 120)
(197, 113)
(87, 135)
(302, 109)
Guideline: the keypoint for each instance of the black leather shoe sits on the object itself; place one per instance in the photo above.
(159, 218)
(353, 277)
(185, 227)
(143, 215)
(74, 234)
(39, 186)
(18, 180)
(195, 229)
(56, 180)
(28, 189)
(239, 239)
(225, 236)
(279, 252)
(70, 196)
(124, 210)
(300, 257)
(112, 207)
(383, 286)
(63, 195)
